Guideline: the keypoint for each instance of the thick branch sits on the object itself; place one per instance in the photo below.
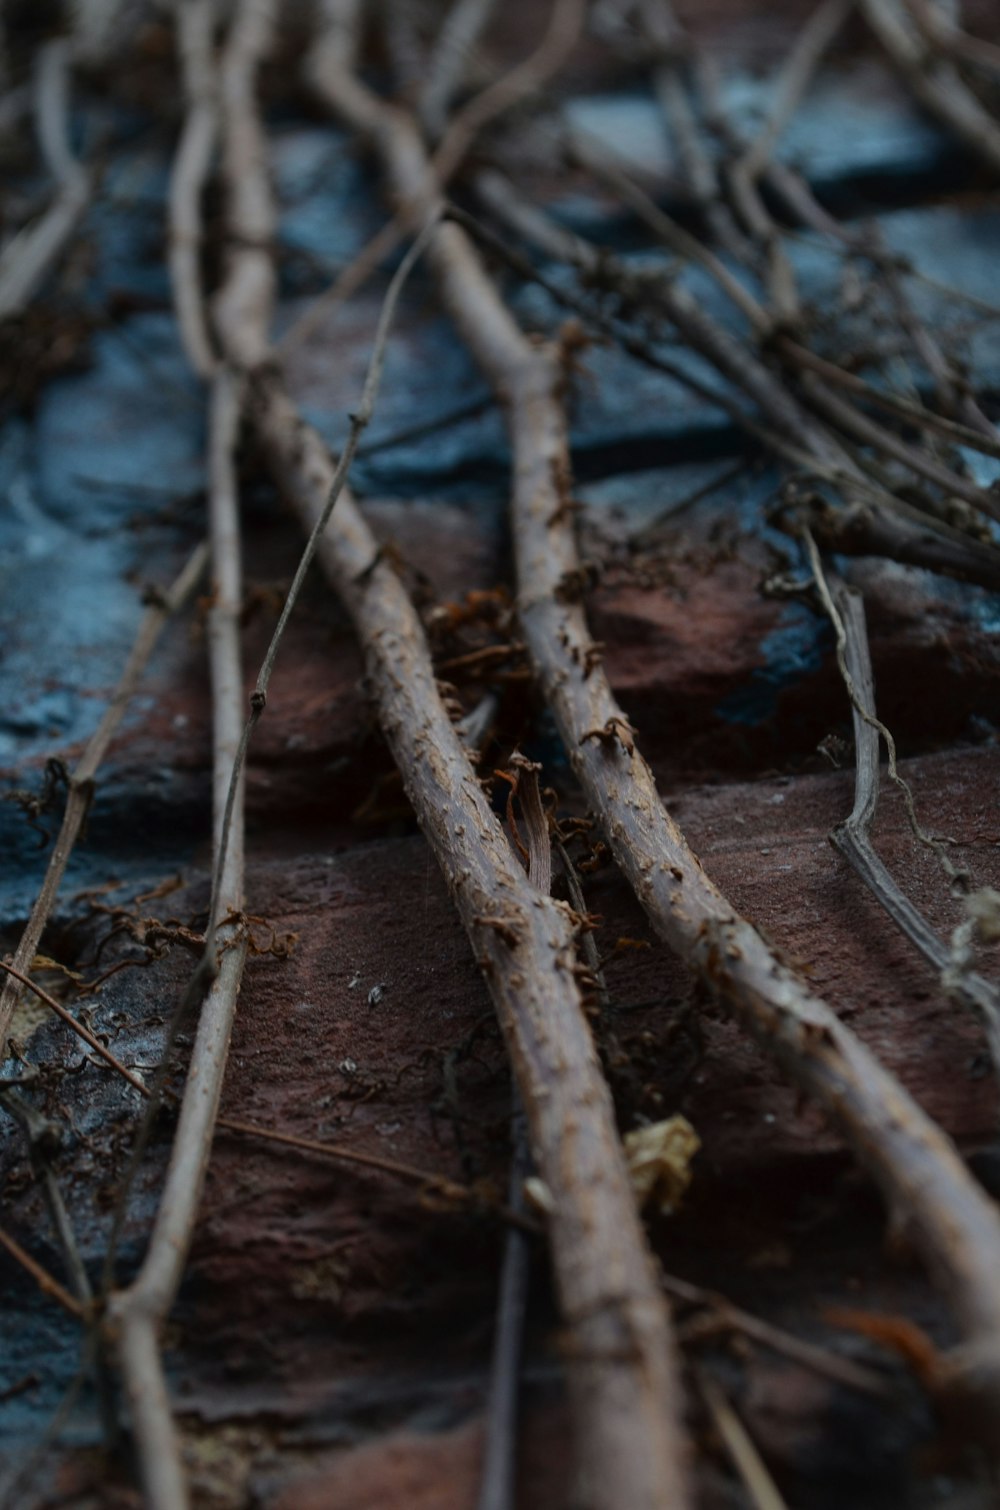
(621, 1359)
(953, 1222)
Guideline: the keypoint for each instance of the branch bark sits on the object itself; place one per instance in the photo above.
(621, 1365)
(953, 1223)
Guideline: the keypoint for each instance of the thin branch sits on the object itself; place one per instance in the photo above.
(43, 1139)
(81, 782)
(622, 1371)
(917, 414)
(938, 28)
(953, 1223)
(192, 164)
(427, 1179)
(757, 1481)
(496, 1484)
(868, 431)
(447, 1188)
(874, 520)
(792, 82)
(504, 94)
(464, 25)
(77, 1027)
(43, 1279)
(28, 259)
(136, 1315)
(900, 533)
(589, 154)
(729, 1317)
(662, 30)
(359, 421)
(853, 837)
(934, 80)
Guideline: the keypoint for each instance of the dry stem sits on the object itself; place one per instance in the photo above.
(81, 782)
(933, 79)
(621, 1362)
(195, 22)
(953, 1222)
(137, 1314)
(29, 257)
(853, 837)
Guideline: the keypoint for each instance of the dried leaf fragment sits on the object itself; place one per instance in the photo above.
(659, 1162)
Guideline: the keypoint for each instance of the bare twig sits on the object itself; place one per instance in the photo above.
(853, 837)
(792, 82)
(589, 155)
(192, 163)
(980, 439)
(820, 1360)
(871, 433)
(507, 91)
(760, 1486)
(30, 256)
(953, 1222)
(463, 26)
(137, 1314)
(938, 28)
(902, 534)
(496, 1484)
(621, 1371)
(77, 1027)
(43, 1279)
(81, 782)
(671, 49)
(933, 79)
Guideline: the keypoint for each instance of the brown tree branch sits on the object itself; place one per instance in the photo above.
(954, 1224)
(621, 1359)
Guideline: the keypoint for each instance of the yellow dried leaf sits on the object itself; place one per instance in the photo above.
(659, 1162)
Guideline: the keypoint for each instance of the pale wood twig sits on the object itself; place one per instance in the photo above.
(502, 95)
(189, 175)
(621, 1365)
(28, 259)
(752, 1470)
(136, 1315)
(461, 30)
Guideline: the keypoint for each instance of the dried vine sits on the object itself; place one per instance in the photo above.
(921, 1175)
